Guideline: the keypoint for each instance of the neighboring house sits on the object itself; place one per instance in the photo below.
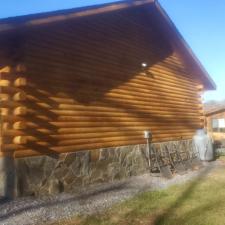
(79, 87)
(215, 123)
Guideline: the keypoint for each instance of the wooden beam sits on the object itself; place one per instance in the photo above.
(20, 82)
(19, 140)
(19, 96)
(65, 15)
(4, 83)
(6, 69)
(19, 125)
(20, 111)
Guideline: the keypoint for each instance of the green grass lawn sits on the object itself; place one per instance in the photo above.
(200, 202)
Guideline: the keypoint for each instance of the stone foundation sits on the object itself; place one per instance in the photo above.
(70, 172)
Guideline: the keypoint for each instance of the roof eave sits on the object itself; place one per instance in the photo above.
(209, 83)
(10, 24)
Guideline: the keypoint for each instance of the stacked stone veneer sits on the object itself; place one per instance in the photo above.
(70, 172)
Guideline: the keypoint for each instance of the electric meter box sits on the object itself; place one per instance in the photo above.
(147, 134)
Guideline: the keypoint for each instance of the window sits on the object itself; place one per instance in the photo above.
(218, 125)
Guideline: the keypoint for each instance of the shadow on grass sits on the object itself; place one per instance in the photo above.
(162, 218)
(204, 209)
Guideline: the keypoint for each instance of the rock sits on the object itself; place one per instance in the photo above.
(84, 158)
(70, 171)
(60, 171)
(70, 158)
(103, 154)
(113, 170)
(55, 187)
(69, 177)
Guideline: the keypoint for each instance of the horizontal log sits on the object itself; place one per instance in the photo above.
(10, 90)
(20, 68)
(6, 69)
(4, 97)
(70, 96)
(135, 105)
(111, 112)
(32, 152)
(109, 105)
(56, 125)
(93, 140)
(20, 82)
(114, 116)
(132, 109)
(66, 146)
(130, 127)
(79, 136)
(19, 140)
(89, 117)
(67, 114)
(20, 111)
(4, 111)
(101, 130)
(54, 103)
(19, 96)
(4, 83)
(19, 125)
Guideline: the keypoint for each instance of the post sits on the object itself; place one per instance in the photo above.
(149, 154)
(10, 77)
(7, 177)
(147, 136)
(7, 168)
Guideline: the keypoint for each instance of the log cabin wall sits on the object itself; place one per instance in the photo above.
(86, 89)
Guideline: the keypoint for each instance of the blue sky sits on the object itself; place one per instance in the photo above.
(202, 23)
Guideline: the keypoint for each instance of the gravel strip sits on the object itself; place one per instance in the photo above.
(31, 211)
